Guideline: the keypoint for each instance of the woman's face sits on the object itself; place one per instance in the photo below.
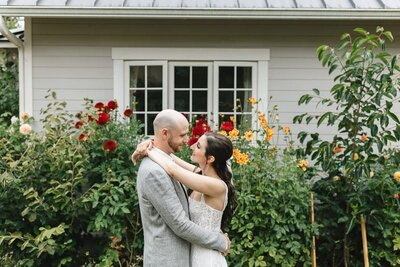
(199, 151)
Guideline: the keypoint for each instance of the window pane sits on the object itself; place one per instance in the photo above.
(136, 79)
(199, 101)
(154, 76)
(244, 120)
(182, 76)
(137, 100)
(154, 98)
(140, 117)
(199, 77)
(226, 101)
(226, 75)
(150, 119)
(182, 101)
(243, 97)
(243, 77)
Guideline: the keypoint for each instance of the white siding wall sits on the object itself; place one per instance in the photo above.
(73, 56)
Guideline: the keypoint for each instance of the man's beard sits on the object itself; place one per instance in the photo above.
(175, 148)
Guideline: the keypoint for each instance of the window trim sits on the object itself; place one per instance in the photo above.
(261, 56)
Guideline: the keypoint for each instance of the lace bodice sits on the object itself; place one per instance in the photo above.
(208, 218)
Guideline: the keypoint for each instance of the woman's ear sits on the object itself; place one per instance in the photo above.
(210, 159)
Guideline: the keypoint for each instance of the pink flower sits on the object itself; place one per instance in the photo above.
(396, 196)
(25, 129)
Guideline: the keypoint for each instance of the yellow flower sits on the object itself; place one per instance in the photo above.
(286, 130)
(355, 156)
(270, 133)
(252, 101)
(264, 123)
(261, 116)
(234, 134)
(303, 164)
(336, 178)
(236, 152)
(248, 135)
(223, 133)
(240, 158)
(232, 119)
(396, 176)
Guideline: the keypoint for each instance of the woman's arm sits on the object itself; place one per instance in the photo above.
(186, 165)
(204, 184)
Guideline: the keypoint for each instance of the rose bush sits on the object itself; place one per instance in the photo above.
(67, 194)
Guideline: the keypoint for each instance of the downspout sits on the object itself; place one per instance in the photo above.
(5, 31)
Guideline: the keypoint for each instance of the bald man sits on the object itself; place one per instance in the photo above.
(164, 208)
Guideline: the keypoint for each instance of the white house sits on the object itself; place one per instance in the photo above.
(196, 56)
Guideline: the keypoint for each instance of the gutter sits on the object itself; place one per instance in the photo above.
(202, 13)
(5, 31)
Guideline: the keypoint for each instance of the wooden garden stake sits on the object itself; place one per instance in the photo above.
(313, 252)
(364, 241)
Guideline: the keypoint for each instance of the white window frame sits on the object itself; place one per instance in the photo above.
(260, 56)
(254, 85)
(210, 78)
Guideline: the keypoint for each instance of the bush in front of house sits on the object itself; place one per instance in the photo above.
(271, 225)
(357, 171)
(67, 194)
(68, 197)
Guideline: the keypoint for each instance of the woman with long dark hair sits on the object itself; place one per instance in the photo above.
(212, 195)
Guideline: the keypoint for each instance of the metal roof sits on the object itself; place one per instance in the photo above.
(259, 9)
(339, 4)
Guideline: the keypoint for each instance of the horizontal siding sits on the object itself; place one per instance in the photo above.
(73, 56)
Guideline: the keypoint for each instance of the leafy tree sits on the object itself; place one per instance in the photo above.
(354, 170)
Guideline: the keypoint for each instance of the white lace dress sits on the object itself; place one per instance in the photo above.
(208, 218)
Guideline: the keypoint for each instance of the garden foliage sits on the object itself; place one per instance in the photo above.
(68, 197)
(355, 171)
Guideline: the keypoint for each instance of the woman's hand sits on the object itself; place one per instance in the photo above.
(141, 151)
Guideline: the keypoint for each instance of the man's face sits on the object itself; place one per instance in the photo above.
(178, 137)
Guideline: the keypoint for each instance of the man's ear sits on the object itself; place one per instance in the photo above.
(164, 132)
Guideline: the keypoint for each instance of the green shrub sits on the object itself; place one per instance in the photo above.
(67, 198)
(354, 170)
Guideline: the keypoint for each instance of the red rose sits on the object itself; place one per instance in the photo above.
(90, 118)
(192, 141)
(128, 112)
(110, 145)
(201, 121)
(78, 124)
(78, 115)
(198, 130)
(83, 137)
(103, 118)
(99, 105)
(112, 104)
(227, 126)
(206, 128)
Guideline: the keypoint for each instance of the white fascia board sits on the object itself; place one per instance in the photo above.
(7, 45)
(210, 13)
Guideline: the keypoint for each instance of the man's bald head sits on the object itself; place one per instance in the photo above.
(169, 119)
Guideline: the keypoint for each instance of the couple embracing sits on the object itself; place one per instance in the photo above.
(179, 229)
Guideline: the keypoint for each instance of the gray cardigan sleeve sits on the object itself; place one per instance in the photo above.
(160, 191)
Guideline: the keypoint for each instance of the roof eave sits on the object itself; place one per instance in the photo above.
(209, 13)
